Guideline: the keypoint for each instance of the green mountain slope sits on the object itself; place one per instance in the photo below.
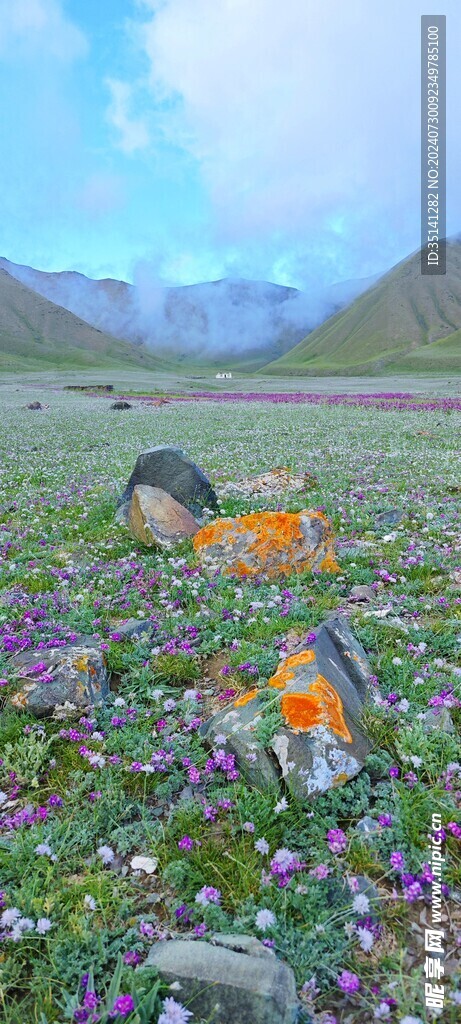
(35, 333)
(405, 322)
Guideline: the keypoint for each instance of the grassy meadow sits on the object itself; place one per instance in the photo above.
(82, 796)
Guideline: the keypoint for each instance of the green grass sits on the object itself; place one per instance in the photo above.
(67, 567)
(404, 323)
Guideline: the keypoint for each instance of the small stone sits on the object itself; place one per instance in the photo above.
(137, 628)
(156, 519)
(361, 593)
(367, 825)
(440, 719)
(226, 986)
(390, 518)
(146, 864)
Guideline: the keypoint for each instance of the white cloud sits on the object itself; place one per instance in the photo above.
(101, 193)
(39, 28)
(132, 132)
(303, 119)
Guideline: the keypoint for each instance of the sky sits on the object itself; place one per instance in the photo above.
(197, 139)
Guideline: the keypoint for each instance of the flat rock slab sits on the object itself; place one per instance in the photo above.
(171, 470)
(157, 520)
(318, 693)
(275, 482)
(225, 986)
(49, 678)
(268, 544)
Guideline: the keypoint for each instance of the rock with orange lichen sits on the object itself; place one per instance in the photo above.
(268, 544)
(75, 675)
(318, 694)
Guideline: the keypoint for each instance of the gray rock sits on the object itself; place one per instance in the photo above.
(157, 520)
(34, 405)
(136, 628)
(319, 693)
(440, 719)
(224, 986)
(366, 826)
(267, 544)
(361, 593)
(121, 405)
(122, 513)
(168, 468)
(390, 518)
(77, 674)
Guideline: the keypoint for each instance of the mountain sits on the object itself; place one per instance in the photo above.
(403, 323)
(232, 323)
(36, 333)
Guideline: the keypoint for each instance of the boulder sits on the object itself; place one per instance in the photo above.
(169, 469)
(157, 520)
(390, 518)
(316, 698)
(34, 405)
(121, 405)
(268, 544)
(228, 982)
(51, 677)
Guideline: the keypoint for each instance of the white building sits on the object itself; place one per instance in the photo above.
(224, 376)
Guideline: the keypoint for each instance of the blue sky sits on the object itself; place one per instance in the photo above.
(195, 139)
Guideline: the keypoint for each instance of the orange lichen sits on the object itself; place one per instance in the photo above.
(272, 533)
(82, 663)
(215, 533)
(321, 706)
(329, 564)
(285, 671)
(245, 698)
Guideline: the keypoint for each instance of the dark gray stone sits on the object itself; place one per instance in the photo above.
(391, 518)
(78, 675)
(225, 986)
(35, 406)
(121, 405)
(134, 629)
(169, 469)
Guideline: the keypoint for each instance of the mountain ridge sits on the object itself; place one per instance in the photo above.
(404, 322)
